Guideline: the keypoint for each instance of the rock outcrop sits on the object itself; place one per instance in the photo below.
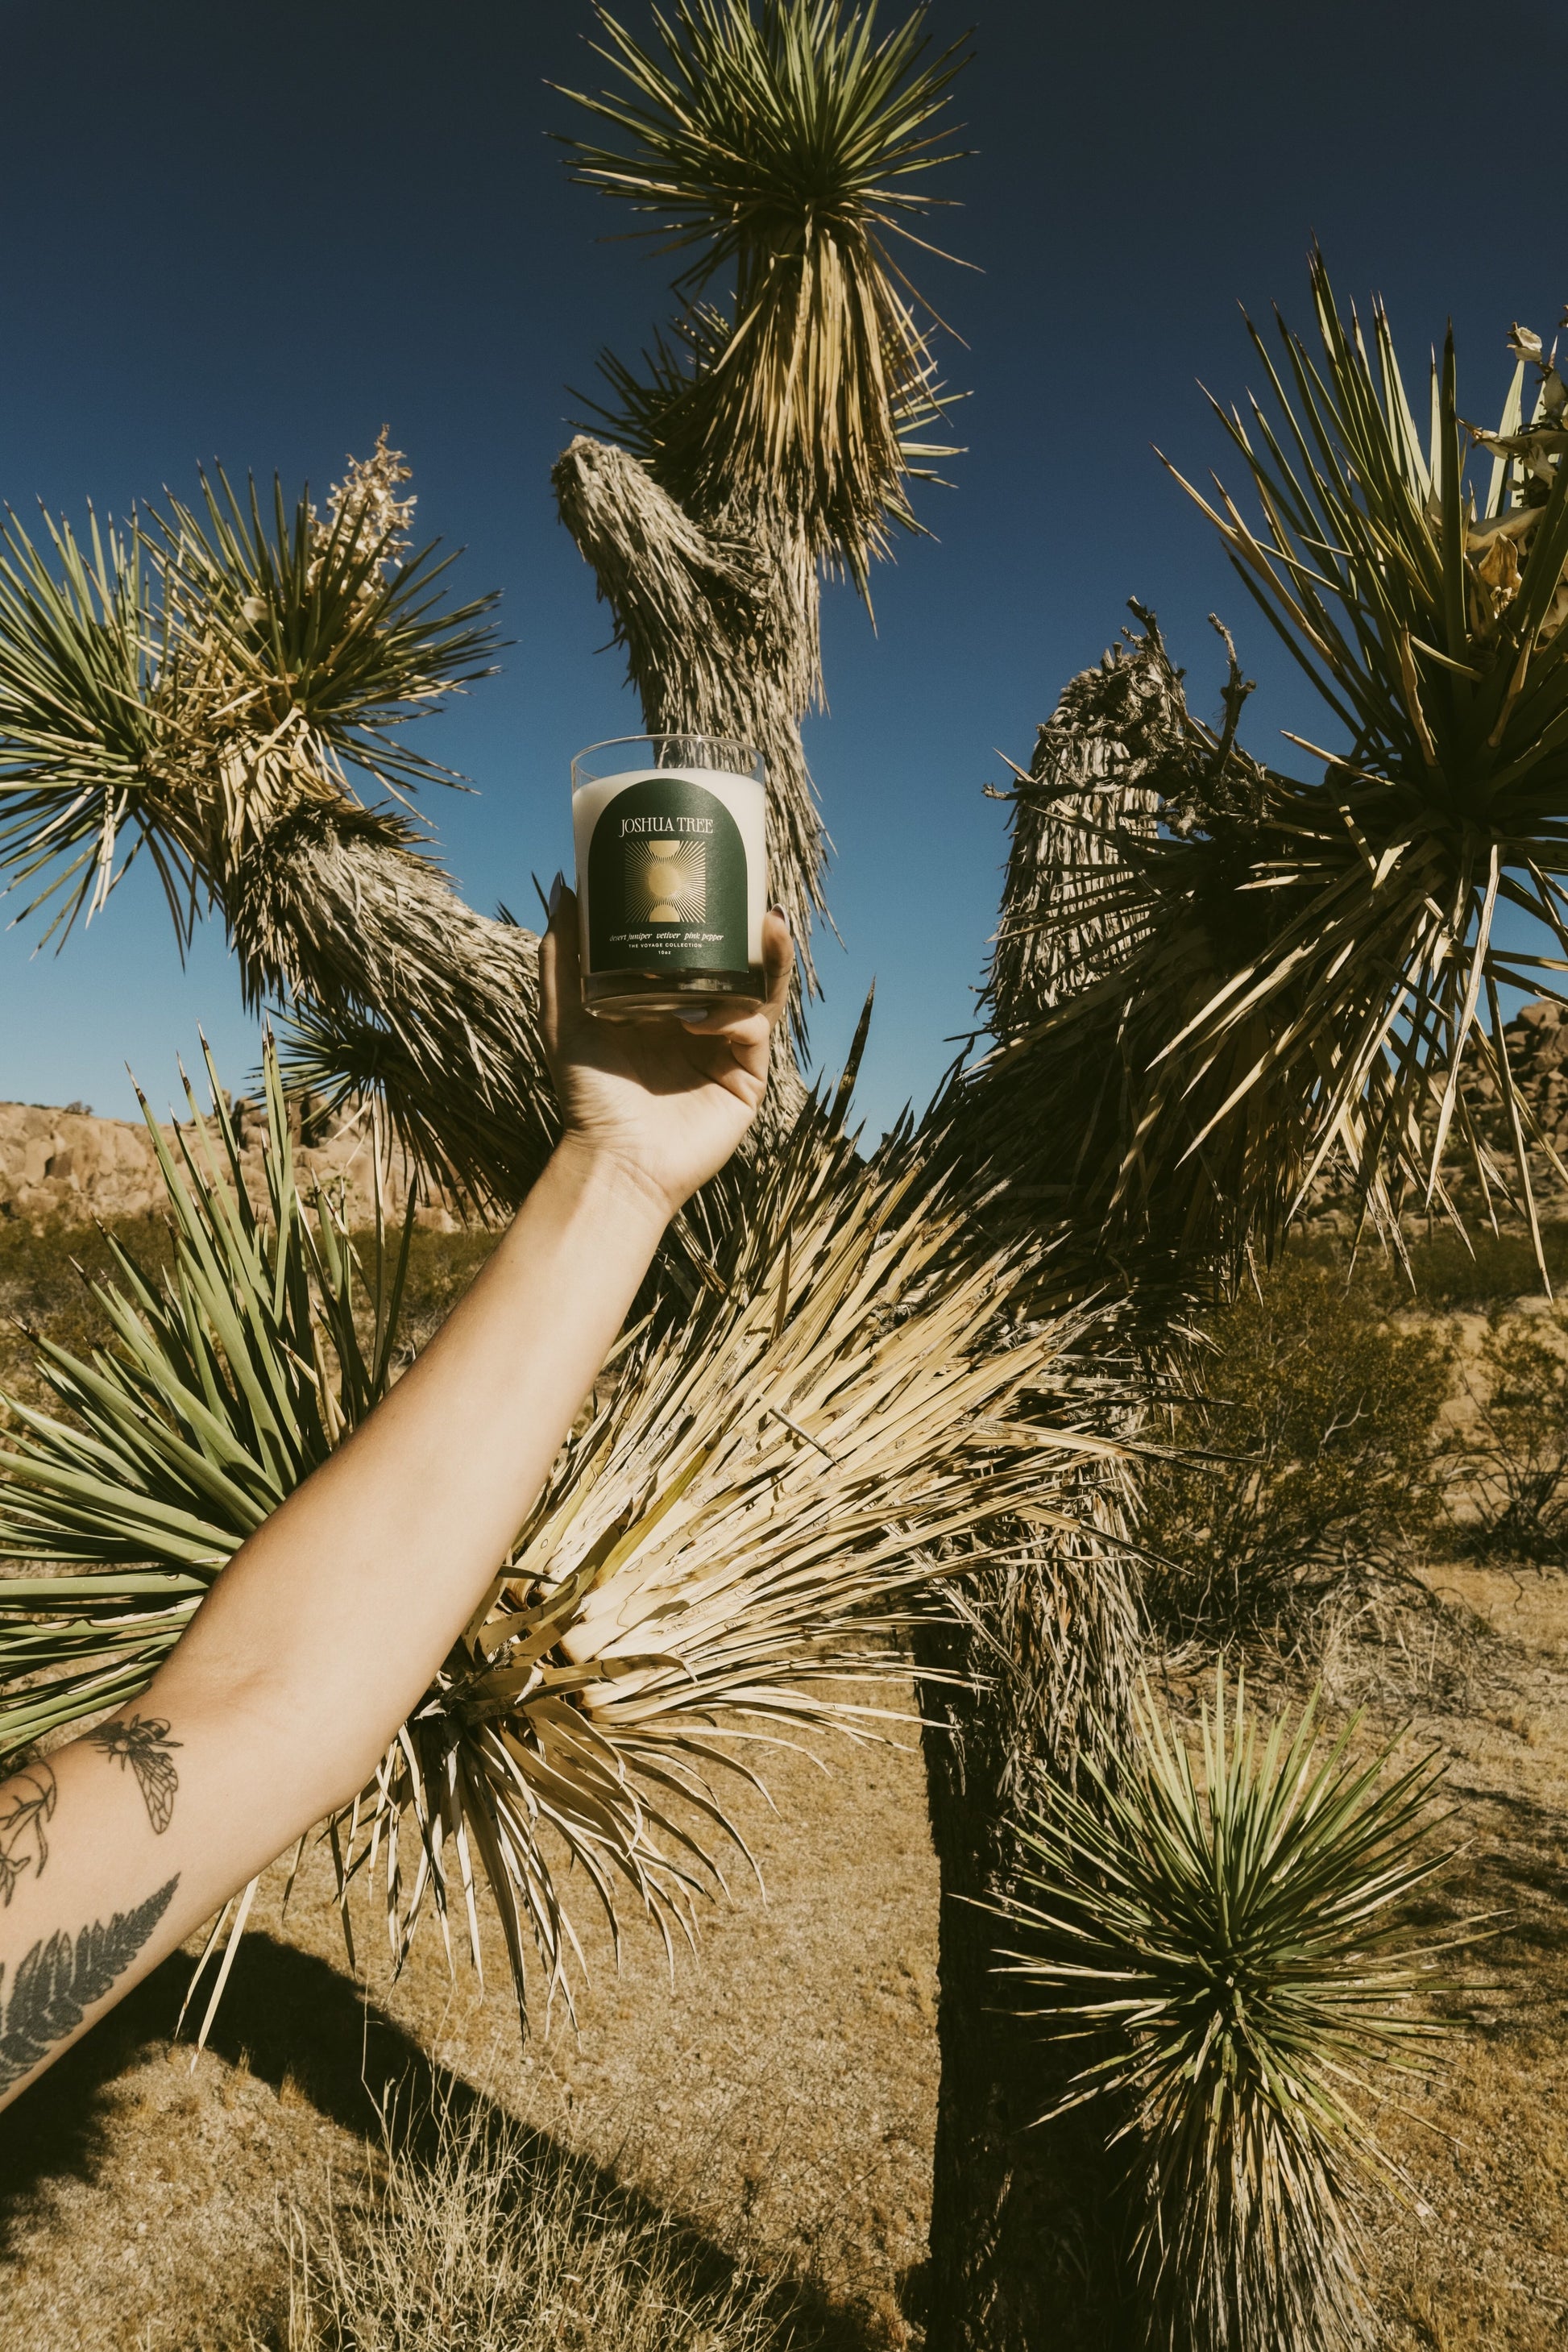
(65, 1163)
(1538, 1058)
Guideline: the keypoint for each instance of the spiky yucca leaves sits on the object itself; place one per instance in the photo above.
(772, 1474)
(204, 687)
(185, 683)
(1426, 607)
(1313, 970)
(1218, 1930)
(766, 1482)
(79, 741)
(780, 150)
(228, 1381)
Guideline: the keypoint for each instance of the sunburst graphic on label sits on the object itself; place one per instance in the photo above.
(667, 881)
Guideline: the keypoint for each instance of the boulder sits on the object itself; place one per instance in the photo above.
(67, 1163)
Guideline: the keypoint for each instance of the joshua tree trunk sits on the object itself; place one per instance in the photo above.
(394, 983)
(1024, 2237)
(1027, 2246)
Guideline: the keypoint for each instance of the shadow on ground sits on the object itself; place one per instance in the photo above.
(288, 2015)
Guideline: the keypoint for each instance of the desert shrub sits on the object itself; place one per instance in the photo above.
(1307, 1424)
(41, 1283)
(440, 1268)
(490, 2240)
(1452, 1270)
(1215, 1929)
(42, 1286)
(1513, 1458)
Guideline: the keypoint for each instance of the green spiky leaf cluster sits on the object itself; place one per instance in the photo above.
(780, 150)
(180, 685)
(227, 1381)
(1292, 973)
(1222, 1930)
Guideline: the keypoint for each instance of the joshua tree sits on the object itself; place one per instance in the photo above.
(1212, 980)
(1283, 973)
(208, 687)
(1261, 973)
(1214, 1932)
(239, 670)
(773, 436)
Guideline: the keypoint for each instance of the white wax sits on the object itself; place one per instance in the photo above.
(741, 796)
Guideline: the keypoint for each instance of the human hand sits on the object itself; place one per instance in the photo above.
(666, 1101)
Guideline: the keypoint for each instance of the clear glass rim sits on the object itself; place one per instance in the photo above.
(740, 757)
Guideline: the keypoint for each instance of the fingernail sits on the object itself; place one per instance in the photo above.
(784, 917)
(556, 889)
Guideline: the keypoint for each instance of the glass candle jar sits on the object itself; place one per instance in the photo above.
(671, 839)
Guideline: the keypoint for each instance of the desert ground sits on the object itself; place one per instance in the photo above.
(777, 2093)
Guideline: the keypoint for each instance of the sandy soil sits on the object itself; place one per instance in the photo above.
(779, 2094)
(1486, 2144)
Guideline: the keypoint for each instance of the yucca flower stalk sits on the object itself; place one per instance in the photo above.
(1312, 971)
(1222, 1932)
(768, 1484)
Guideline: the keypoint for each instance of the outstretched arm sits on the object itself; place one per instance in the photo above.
(322, 1632)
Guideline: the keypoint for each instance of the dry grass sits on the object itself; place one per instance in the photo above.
(775, 2104)
(1487, 2265)
(488, 2238)
(778, 2100)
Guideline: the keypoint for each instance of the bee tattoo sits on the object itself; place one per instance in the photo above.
(27, 1802)
(144, 1743)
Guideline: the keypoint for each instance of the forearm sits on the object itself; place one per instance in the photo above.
(332, 1618)
(323, 1631)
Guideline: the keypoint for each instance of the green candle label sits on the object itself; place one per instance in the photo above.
(667, 881)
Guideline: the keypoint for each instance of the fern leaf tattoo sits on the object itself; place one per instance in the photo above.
(143, 1743)
(57, 1982)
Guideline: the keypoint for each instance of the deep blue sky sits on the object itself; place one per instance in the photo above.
(256, 233)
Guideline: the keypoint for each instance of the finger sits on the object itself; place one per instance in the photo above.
(559, 990)
(778, 965)
(738, 1064)
(746, 1034)
(749, 1039)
